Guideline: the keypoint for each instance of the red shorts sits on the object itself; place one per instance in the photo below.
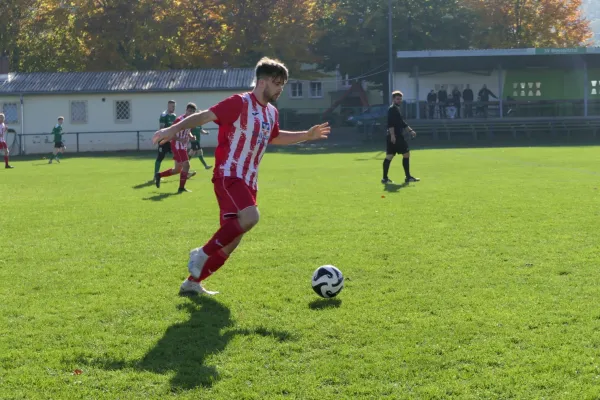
(3, 146)
(180, 155)
(233, 195)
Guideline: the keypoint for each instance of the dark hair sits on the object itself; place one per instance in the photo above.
(271, 68)
(397, 93)
(171, 101)
(192, 106)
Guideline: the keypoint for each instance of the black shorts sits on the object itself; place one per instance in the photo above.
(401, 146)
(165, 148)
(58, 145)
(195, 145)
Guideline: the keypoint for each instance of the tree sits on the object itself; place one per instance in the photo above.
(122, 35)
(99, 35)
(356, 32)
(530, 23)
(13, 15)
(48, 39)
(281, 28)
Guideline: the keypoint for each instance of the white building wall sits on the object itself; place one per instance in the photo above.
(41, 113)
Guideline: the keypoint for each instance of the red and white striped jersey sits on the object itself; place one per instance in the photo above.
(3, 132)
(183, 136)
(245, 128)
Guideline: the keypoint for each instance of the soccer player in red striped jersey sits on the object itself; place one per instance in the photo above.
(180, 155)
(3, 145)
(247, 123)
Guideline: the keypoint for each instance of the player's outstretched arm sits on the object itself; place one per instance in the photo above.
(317, 132)
(200, 118)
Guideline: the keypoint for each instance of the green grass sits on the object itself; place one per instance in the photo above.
(480, 282)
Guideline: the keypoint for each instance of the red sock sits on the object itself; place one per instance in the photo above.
(166, 173)
(212, 265)
(182, 178)
(225, 235)
(6, 159)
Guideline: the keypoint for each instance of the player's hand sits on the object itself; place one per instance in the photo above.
(160, 136)
(318, 132)
(393, 138)
(413, 133)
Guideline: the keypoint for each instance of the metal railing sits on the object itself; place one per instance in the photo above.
(513, 128)
(300, 118)
(138, 140)
(509, 109)
(514, 124)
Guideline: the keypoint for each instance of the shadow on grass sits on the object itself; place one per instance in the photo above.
(377, 157)
(151, 183)
(185, 346)
(394, 187)
(143, 185)
(161, 196)
(321, 304)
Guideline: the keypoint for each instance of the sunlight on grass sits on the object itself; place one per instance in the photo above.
(480, 281)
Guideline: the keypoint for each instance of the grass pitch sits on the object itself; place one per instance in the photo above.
(480, 281)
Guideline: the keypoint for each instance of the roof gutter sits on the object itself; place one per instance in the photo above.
(30, 93)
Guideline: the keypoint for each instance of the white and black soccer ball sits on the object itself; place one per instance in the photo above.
(327, 281)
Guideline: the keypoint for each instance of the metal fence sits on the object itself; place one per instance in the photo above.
(349, 123)
(95, 141)
(292, 119)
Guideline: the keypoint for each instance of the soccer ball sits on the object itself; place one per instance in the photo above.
(327, 281)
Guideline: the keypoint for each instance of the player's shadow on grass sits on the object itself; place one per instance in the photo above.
(394, 187)
(321, 304)
(160, 196)
(143, 185)
(185, 346)
(377, 157)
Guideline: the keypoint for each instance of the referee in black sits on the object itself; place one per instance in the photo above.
(396, 143)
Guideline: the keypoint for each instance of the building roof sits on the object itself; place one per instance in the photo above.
(497, 52)
(127, 81)
(463, 60)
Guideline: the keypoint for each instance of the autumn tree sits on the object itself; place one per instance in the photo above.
(280, 28)
(48, 39)
(356, 32)
(530, 23)
(196, 34)
(119, 34)
(13, 16)
(99, 35)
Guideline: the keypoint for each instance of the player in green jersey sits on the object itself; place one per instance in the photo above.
(59, 145)
(196, 149)
(166, 119)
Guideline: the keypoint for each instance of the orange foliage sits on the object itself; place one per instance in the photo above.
(530, 23)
